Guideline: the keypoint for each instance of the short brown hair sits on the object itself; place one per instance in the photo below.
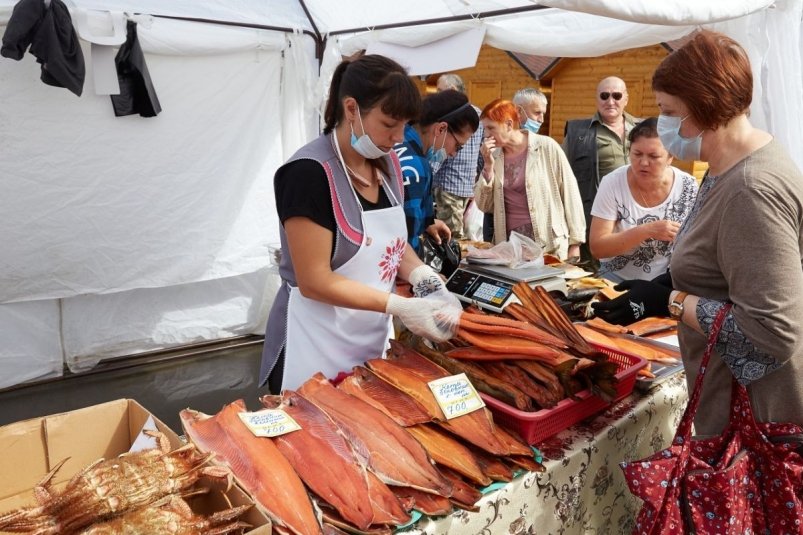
(711, 74)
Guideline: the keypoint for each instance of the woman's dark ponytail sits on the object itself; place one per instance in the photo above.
(333, 111)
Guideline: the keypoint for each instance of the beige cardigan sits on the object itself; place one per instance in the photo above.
(556, 209)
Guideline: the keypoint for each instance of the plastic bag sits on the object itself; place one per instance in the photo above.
(517, 252)
(442, 257)
(472, 222)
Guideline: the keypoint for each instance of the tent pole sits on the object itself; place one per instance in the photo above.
(237, 24)
(486, 14)
(320, 42)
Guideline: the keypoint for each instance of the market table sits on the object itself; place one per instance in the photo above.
(583, 490)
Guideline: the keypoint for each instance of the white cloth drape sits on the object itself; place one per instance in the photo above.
(99, 204)
(299, 116)
(774, 40)
(130, 234)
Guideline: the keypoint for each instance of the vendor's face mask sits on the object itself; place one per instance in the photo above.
(677, 145)
(364, 145)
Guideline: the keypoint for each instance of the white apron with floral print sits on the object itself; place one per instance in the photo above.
(330, 339)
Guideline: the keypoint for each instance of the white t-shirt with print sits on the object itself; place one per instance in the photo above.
(614, 202)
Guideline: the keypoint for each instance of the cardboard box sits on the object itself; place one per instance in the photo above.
(31, 448)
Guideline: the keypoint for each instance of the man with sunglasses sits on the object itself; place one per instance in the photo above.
(598, 145)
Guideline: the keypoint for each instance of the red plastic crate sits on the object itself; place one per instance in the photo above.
(537, 426)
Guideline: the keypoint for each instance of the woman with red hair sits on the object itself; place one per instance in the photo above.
(528, 185)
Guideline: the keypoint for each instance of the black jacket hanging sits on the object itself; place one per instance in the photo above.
(137, 94)
(52, 38)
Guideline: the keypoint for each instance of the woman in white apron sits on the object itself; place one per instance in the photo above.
(344, 236)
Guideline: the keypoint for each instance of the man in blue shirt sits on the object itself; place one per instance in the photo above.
(446, 125)
(454, 182)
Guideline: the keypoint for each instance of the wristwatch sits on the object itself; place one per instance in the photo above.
(676, 305)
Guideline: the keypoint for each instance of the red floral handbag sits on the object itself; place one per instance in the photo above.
(747, 480)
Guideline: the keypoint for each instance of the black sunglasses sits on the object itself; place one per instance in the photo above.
(605, 95)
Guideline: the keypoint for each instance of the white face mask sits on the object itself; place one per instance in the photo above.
(677, 145)
(364, 145)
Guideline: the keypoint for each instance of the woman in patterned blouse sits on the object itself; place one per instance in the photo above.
(639, 208)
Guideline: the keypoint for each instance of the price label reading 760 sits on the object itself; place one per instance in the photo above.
(269, 422)
(456, 395)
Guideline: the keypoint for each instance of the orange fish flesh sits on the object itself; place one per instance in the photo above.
(447, 451)
(381, 444)
(332, 472)
(365, 384)
(410, 372)
(257, 465)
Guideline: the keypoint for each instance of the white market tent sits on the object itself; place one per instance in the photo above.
(122, 235)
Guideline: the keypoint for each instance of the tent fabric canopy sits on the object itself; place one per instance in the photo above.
(129, 234)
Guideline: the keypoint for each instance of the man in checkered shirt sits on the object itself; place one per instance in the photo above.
(453, 184)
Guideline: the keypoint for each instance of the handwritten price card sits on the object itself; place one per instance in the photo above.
(456, 395)
(269, 422)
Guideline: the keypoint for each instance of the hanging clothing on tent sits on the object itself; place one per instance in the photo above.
(137, 94)
(48, 30)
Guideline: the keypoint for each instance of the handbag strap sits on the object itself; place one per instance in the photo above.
(683, 434)
(743, 421)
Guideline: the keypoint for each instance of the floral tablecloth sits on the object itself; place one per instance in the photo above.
(583, 490)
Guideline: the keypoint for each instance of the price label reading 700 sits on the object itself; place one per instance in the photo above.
(456, 395)
(269, 422)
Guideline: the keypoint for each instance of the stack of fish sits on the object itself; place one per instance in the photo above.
(631, 339)
(369, 450)
(530, 358)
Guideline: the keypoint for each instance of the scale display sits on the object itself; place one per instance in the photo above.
(487, 292)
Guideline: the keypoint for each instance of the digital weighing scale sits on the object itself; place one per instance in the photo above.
(491, 287)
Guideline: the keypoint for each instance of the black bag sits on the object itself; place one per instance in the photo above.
(137, 94)
(443, 258)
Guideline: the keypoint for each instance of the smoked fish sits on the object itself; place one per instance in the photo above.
(382, 445)
(410, 372)
(257, 465)
(367, 386)
(323, 458)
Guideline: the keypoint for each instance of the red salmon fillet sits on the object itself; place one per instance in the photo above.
(256, 464)
(384, 446)
(323, 458)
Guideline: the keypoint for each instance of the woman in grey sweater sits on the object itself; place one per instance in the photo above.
(741, 243)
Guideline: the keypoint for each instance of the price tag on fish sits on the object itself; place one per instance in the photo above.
(456, 395)
(269, 422)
